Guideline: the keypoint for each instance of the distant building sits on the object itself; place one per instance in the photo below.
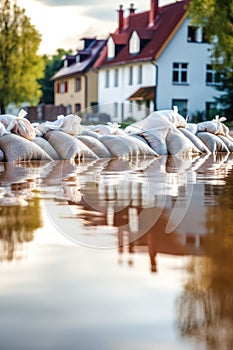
(76, 84)
(155, 60)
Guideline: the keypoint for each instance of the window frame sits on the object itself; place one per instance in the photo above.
(180, 73)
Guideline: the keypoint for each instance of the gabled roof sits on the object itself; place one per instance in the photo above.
(158, 35)
(89, 56)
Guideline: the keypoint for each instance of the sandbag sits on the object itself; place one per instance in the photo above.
(192, 127)
(156, 138)
(195, 140)
(213, 142)
(68, 147)
(109, 129)
(95, 145)
(126, 147)
(178, 144)
(214, 126)
(91, 133)
(2, 155)
(45, 145)
(69, 124)
(19, 125)
(17, 148)
(228, 142)
(154, 129)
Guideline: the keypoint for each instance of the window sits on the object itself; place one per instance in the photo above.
(182, 105)
(115, 109)
(62, 87)
(107, 78)
(212, 77)
(130, 106)
(116, 77)
(130, 75)
(134, 44)
(77, 107)
(78, 84)
(211, 110)
(196, 35)
(180, 73)
(140, 74)
(139, 104)
(111, 48)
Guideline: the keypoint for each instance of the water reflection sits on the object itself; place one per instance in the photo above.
(20, 211)
(175, 206)
(205, 308)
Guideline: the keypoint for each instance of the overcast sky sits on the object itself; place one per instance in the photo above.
(62, 23)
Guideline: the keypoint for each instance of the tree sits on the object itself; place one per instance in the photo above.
(226, 98)
(20, 66)
(216, 17)
(52, 65)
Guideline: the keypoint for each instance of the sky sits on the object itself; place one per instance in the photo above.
(62, 23)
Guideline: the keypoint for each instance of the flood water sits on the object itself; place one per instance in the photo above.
(114, 254)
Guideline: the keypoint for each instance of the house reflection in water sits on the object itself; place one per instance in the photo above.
(140, 202)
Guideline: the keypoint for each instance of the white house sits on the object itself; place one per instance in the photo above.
(153, 61)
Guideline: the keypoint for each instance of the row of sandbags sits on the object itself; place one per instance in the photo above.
(161, 133)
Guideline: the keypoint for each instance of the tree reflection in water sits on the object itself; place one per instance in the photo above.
(20, 209)
(205, 308)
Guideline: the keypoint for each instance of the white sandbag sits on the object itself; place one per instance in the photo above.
(69, 124)
(2, 155)
(178, 144)
(126, 147)
(139, 137)
(228, 142)
(108, 129)
(19, 125)
(68, 147)
(3, 130)
(156, 138)
(154, 129)
(45, 145)
(213, 142)
(195, 140)
(91, 133)
(192, 127)
(214, 126)
(95, 145)
(17, 148)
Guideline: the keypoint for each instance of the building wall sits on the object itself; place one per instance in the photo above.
(196, 92)
(197, 56)
(84, 97)
(112, 96)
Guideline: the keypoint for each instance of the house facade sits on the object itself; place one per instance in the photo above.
(156, 59)
(76, 84)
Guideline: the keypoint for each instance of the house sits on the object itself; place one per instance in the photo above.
(76, 84)
(156, 59)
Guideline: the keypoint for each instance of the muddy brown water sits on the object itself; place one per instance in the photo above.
(115, 254)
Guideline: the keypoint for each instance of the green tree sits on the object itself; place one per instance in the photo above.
(216, 17)
(52, 65)
(20, 66)
(226, 98)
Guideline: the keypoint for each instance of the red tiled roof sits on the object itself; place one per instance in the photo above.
(158, 35)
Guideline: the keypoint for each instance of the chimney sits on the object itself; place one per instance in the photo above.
(120, 18)
(131, 9)
(154, 11)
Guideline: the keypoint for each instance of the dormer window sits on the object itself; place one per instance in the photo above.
(111, 48)
(134, 44)
(77, 58)
(196, 35)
